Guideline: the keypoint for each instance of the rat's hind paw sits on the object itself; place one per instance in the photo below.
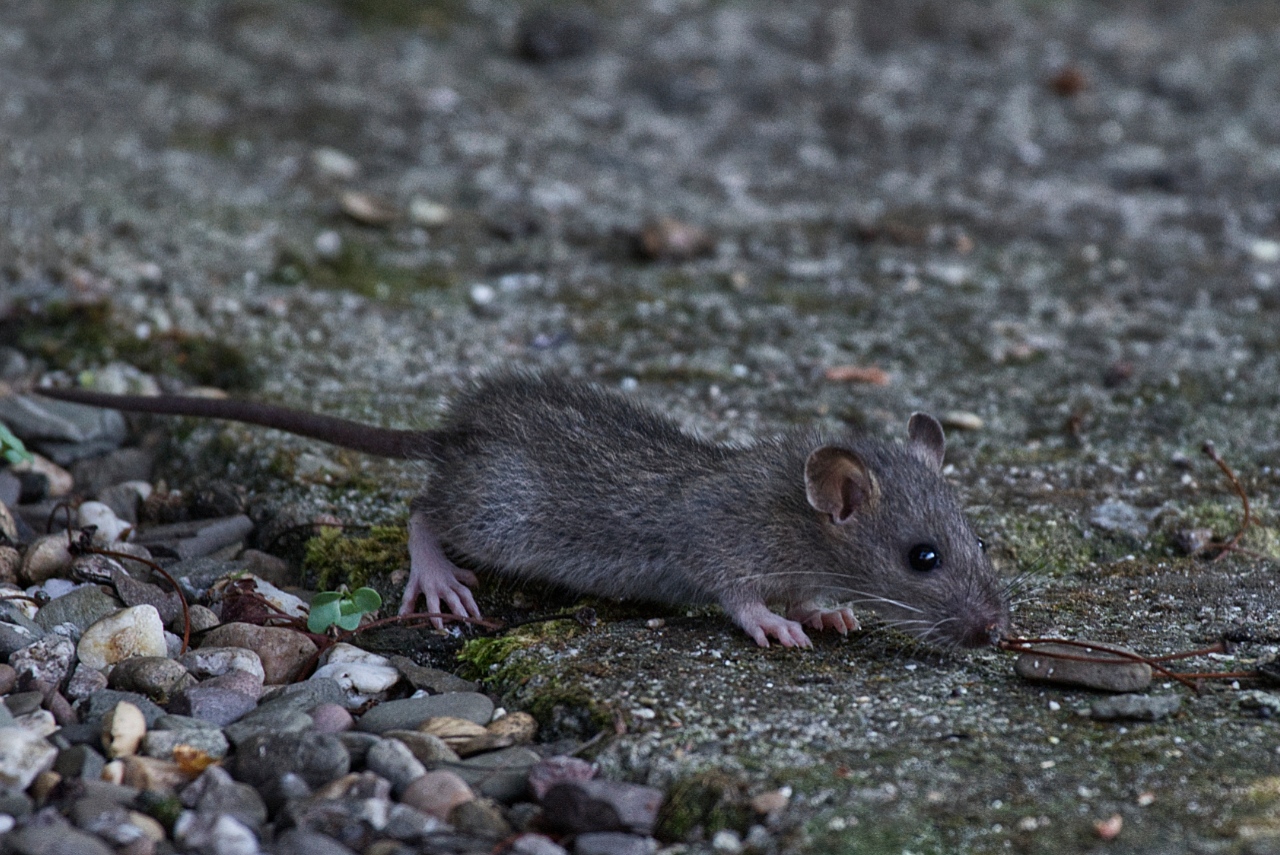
(434, 576)
(809, 614)
(760, 622)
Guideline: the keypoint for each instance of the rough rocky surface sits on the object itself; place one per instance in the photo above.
(1059, 218)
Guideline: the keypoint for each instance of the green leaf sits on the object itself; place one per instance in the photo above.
(323, 616)
(366, 599)
(350, 621)
(324, 598)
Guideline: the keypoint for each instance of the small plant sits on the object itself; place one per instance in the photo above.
(11, 448)
(343, 609)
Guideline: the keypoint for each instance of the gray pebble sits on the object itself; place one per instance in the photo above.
(316, 758)
(197, 574)
(430, 749)
(501, 775)
(45, 835)
(431, 680)
(23, 703)
(84, 682)
(104, 818)
(135, 593)
(95, 474)
(214, 793)
(1135, 707)
(172, 721)
(304, 696)
(600, 805)
(481, 818)
(613, 843)
(535, 844)
(407, 714)
(358, 745)
(160, 743)
(1122, 518)
(82, 607)
(153, 676)
(295, 841)
(46, 660)
(1125, 675)
(258, 724)
(79, 761)
(62, 431)
(393, 760)
(100, 703)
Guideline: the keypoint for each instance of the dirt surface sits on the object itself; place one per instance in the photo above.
(1061, 218)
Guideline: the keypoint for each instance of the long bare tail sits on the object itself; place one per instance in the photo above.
(383, 442)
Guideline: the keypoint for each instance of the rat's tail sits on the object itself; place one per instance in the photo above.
(383, 442)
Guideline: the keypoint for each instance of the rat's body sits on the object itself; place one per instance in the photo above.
(539, 478)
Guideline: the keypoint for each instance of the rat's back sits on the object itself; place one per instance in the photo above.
(568, 483)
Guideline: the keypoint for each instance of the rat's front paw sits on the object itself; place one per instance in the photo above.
(809, 614)
(761, 623)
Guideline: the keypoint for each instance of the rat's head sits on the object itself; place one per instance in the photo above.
(897, 530)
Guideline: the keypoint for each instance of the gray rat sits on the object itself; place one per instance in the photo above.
(540, 478)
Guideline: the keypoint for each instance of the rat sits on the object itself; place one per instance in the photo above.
(541, 478)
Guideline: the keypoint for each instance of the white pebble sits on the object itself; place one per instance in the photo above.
(331, 163)
(135, 631)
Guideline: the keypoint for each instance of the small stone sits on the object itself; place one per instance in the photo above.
(453, 731)
(123, 466)
(162, 743)
(95, 708)
(206, 662)
(407, 714)
(332, 718)
(558, 769)
(869, 374)
(220, 705)
(437, 793)
(282, 651)
(216, 793)
(772, 802)
(122, 730)
(328, 244)
(519, 727)
(85, 682)
(108, 527)
(57, 482)
(428, 214)
(368, 209)
(8, 678)
(1117, 674)
(1109, 828)
(153, 676)
(39, 722)
(599, 805)
(667, 239)
(215, 834)
(613, 843)
(23, 756)
(1122, 518)
(1265, 251)
(46, 660)
(1265, 704)
(727, 841)
(79, 761)
(138, 593)
(54, 838)
(268, 567)
(480, 818)
(362, 682)
(333, 164)
(204, 618)
(431, 680)
(10, 563)
(961, 420)
(430, 750)
(195, 539)
(81, 608)
(135, 631)
(501, 775)
(46, 559)
(296, 841)
(482, 743)
(1135, 707)
(315, 758)
(537, 844)
(393, 760)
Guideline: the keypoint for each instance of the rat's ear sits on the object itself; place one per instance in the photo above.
(925, 440)
(838, 483)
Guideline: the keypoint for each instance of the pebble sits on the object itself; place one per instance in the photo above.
(430, 750)
(57, 482)
(332, 718)
(196, 539)
(10, 563)
(437, 793)
(161, 743)
(430, 680)
(46, 660)
(97, 705)
(428, 214)
(961, 420)
(536, 844)
(282, 651)
(137, 593)
(1121, 517)
(361, 682)
(123, 727)
(334, 164)
(1124, 675)
(407, 714)
(82, 607)
(1135, 707)
(481, 818)
(215, 661)
(315, 758)
(8, 678)
(79, 761)
(62, 431)
(558, 769)
(218, 704)
(1265, 704)
(601, 805)
(393, 760)
(23, 756)
(368, 209)
(667, 239)
(501, 775)
(134, 631)
(613, 843)
(108, 527)
(45, 559)
(157, 677)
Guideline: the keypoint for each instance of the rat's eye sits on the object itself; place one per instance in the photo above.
(982, 544)
(924, 557)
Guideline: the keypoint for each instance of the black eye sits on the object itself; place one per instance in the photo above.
(982, 544)
(924, 557)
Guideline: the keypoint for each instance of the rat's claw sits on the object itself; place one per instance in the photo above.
(841, 620)
(760, 622)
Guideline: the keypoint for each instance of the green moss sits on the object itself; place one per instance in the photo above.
(702, 804)
(1044, 545)
(1223, 518)
(337, 558)
(78, 337)
(357, 268)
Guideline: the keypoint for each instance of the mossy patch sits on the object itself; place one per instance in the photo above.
(358, 268)
(337, 558)
(702, 804)
(77, 337)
